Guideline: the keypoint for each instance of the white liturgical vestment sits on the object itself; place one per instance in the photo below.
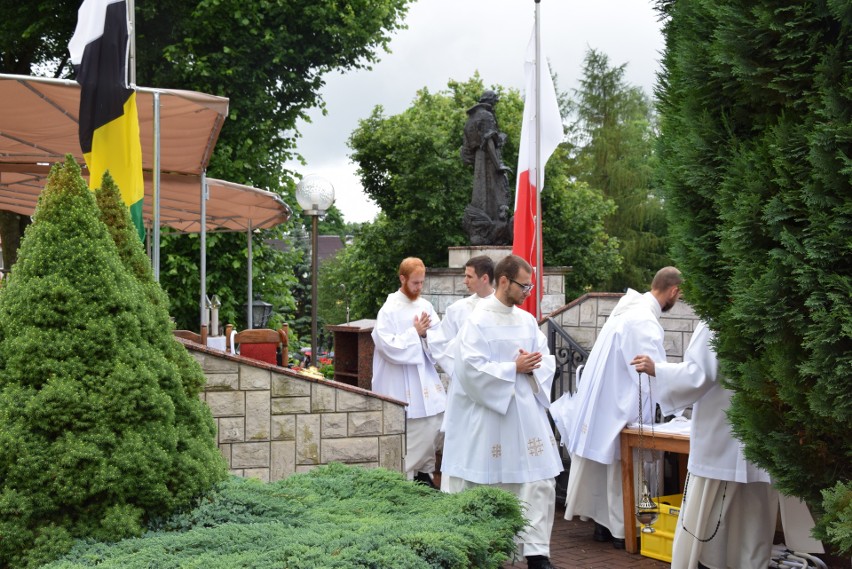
(442, 341)
(442, 338)
(607, 396)
(402, 366)
(499, 431)
(713, 452)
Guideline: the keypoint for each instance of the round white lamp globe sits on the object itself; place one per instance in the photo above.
(315, 194)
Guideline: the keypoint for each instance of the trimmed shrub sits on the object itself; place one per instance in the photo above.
(99, 429)
(336, 516)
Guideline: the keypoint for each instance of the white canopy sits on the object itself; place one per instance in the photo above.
(39, 126)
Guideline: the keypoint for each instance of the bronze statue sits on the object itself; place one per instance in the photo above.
(487, 219)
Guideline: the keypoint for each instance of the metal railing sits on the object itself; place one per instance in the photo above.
(569, 356)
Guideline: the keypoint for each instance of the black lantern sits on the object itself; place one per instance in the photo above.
(260, 313)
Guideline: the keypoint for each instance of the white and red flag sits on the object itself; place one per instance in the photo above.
(541, 133)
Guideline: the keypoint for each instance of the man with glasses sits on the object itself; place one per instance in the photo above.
(404, 369)
(607, 399)
(498, 432)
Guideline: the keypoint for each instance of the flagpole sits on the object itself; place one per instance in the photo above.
(538, 233)
(131, 17)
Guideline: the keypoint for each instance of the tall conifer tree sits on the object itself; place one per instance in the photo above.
(614, 140)
(756, 145)
(101, 429)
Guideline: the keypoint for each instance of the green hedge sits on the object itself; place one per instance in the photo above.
(334, 516)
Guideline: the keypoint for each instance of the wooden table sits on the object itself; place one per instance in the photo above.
(629, 440)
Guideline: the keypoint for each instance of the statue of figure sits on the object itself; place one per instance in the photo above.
(487, 219)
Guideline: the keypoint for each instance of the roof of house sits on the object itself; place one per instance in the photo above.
(327, 245)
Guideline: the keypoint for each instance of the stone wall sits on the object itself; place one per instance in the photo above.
(272, 422)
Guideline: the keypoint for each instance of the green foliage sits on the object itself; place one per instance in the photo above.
(574, 233)
(227, 275)
(410, 166)
(614, 141)
(100, 422)
(755, 146)
(334, 516)
(837, 525)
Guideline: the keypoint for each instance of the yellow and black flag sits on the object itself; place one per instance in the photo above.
(109, 123)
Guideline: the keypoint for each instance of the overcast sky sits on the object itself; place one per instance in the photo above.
(452, 39)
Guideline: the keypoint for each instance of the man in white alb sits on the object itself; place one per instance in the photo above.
(404, 369)
(729, 512)
(478, 276)
(607, 399)
(498, 431)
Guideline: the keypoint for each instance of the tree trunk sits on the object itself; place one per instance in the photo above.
(12, 227)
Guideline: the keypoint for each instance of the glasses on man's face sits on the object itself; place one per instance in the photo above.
(525, 288)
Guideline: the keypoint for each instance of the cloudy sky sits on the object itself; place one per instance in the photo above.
(452, 39)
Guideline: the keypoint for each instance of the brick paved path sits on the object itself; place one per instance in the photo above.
(572, 547)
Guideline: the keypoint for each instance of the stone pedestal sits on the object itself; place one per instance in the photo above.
(461, 255)
(444, 286)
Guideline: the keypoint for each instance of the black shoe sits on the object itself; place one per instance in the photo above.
(539, 562)
(702, 566)
(601, 533)
(618, 543)
(425, 479)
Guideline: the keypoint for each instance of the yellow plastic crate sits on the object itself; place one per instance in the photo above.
(658, 545)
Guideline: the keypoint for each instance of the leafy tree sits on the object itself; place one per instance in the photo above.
(227, 275)
(613, 138)
(101, 428)
(269, 58)
(755, 147)
(410, 166)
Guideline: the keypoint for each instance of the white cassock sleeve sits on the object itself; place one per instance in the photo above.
(440, 341)
(543, 376)
(682, 384)
(400, 348)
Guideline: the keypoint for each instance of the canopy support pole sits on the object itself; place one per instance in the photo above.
(249, 305)
(155, 251)
(203, 247)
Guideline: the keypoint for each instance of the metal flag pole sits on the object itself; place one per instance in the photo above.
(539, 260)
(131, 20)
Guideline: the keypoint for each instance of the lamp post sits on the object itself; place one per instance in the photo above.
(315, 195)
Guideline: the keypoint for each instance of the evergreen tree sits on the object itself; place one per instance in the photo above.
(755, 144)
(101, 428)
(613, 138)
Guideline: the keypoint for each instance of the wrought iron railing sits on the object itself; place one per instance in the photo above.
(569, 356)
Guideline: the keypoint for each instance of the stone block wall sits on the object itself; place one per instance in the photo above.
(273, 422)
